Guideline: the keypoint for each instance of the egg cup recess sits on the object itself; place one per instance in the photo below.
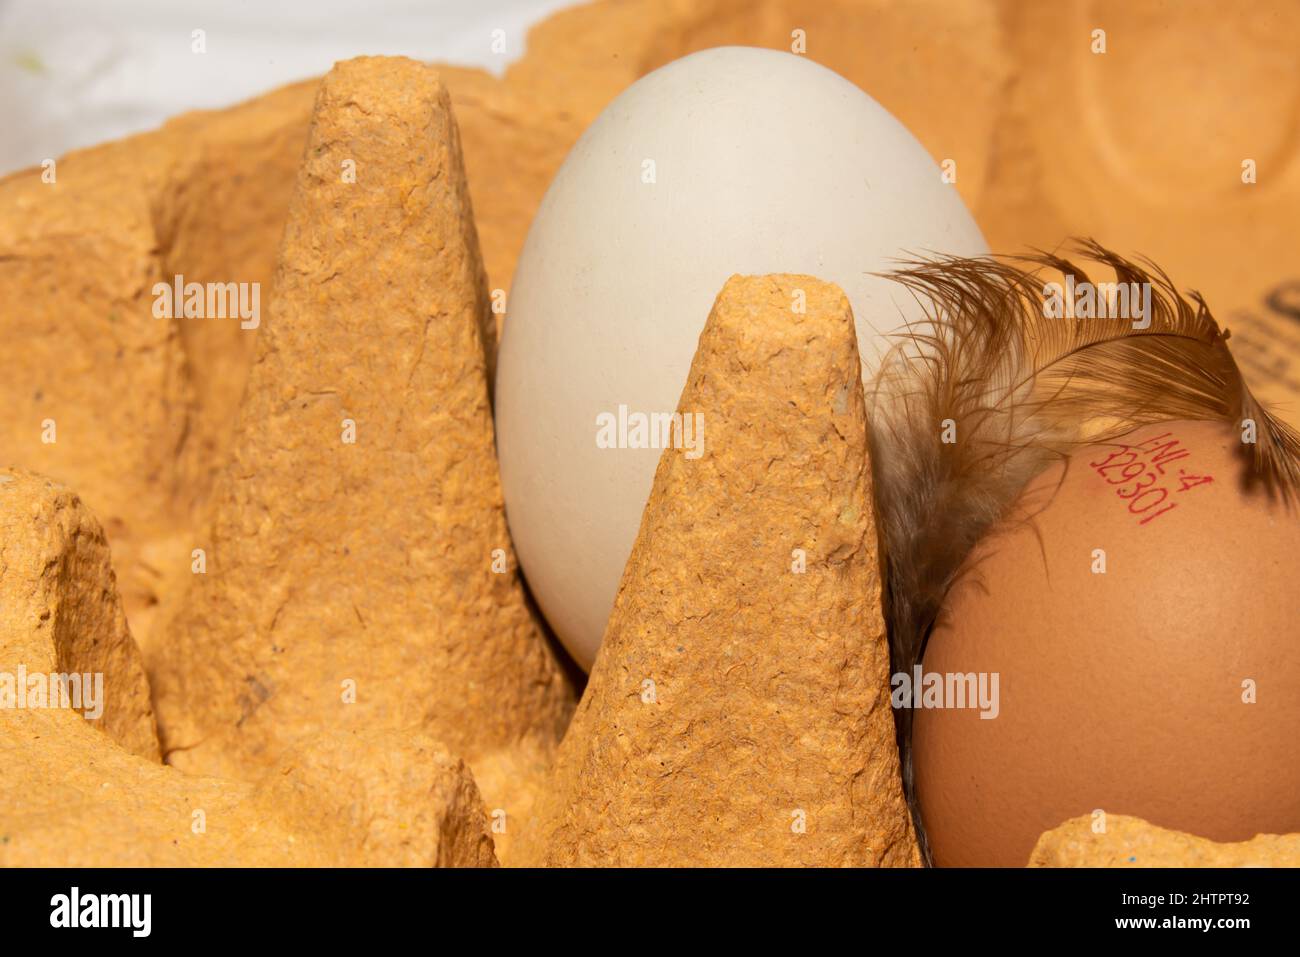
(347, 671)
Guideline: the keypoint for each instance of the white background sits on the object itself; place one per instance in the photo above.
(77, 72)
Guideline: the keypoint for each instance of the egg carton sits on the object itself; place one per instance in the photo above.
(308, 616)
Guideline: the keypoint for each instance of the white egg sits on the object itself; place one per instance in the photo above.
(732, 160)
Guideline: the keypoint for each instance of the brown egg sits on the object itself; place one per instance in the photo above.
(1145, 630)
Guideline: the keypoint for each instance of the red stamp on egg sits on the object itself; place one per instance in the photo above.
(1149, 475)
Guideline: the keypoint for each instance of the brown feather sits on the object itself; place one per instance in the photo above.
(1023, 390)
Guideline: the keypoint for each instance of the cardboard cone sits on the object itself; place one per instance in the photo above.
(1120, 841)
(738, 711)
(60, 615)
(358, 572)
(82, 785)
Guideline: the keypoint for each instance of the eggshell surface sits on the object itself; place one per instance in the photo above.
(1144, 626)
(731, 160)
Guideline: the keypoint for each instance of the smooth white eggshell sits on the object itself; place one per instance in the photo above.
(763, 162)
